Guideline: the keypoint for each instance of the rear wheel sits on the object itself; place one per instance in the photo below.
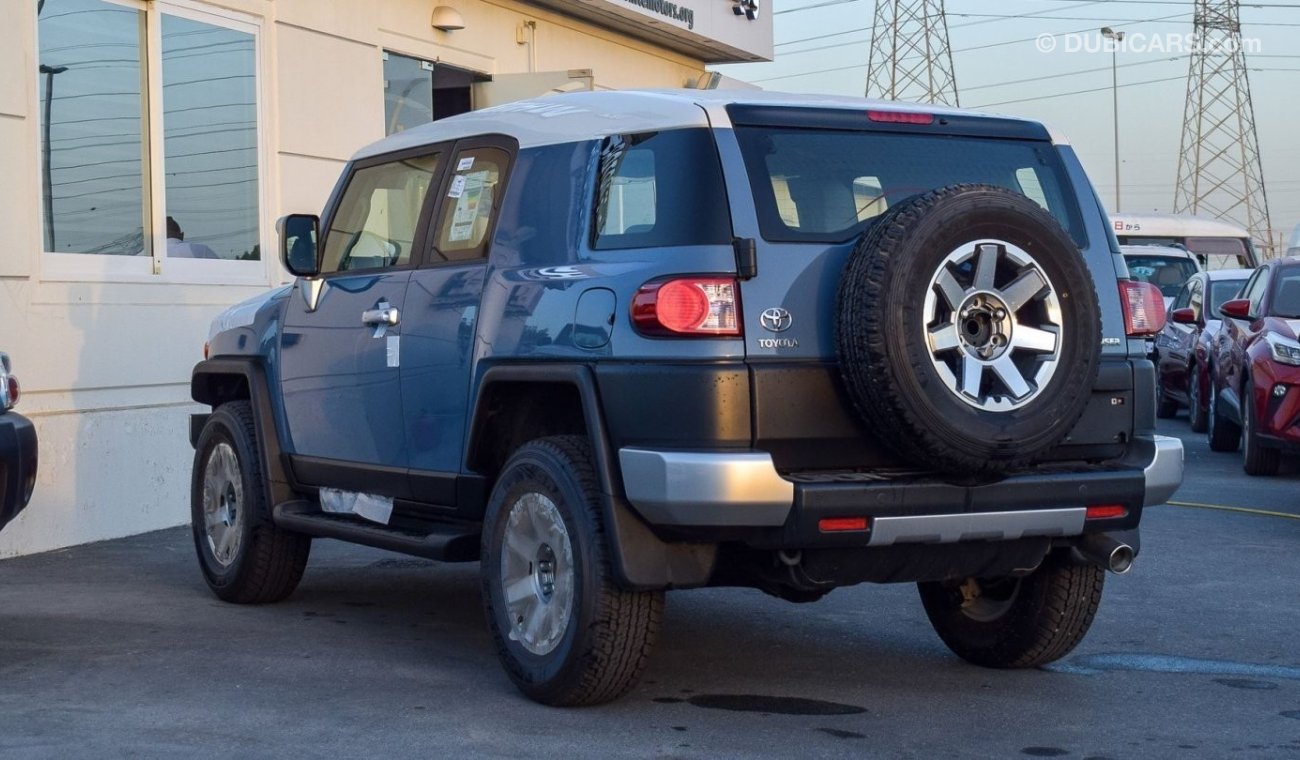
(1259, 458)
(1224, 434)
(244, 557)
(1016, 622)
(565, 633)
(1196, 400)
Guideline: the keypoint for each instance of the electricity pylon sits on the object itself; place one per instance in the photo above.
(1219, 170)
(910, 56)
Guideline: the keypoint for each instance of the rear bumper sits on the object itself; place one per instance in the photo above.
(17, 464)
(694, 490)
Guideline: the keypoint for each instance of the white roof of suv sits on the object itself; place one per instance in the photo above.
(577, 116)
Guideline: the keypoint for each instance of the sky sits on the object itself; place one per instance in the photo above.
(996, 49)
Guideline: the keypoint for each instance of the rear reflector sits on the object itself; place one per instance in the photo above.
(701, 306)
(900, 117)
(1106, 512)
(1144, 308)
(841, 524)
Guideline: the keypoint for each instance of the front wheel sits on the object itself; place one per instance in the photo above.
(244, 557)
(1258, 459)
(1016, 622)
(565, 633)
(1196, 400)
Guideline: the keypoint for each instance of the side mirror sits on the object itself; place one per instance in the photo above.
(298, 235)
(1237, 308)
(1184, 316)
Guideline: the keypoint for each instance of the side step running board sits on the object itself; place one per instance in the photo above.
(446, 543)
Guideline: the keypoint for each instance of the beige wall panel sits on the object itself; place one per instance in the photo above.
(329, 91)
(20, 201)
(306, 183)
(350, 19)
(17, 59)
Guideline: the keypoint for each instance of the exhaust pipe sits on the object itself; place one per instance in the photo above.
(1104, 551)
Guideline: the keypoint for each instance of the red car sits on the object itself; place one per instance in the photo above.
(1256, 369)
(1184, 345)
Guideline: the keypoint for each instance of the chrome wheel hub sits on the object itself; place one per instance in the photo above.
(993, 325)
(223, 504)
(537, 573)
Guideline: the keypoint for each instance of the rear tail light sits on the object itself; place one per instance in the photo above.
(702, 306)
(1144, 308)
(900, 117)
(10, 392)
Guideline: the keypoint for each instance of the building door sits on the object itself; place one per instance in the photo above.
(341, 355)
(417, 91)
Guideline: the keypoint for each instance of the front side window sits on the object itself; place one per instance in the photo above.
(1184, 299)
(661, 189)
(1222, 291)
(180, 181)
(827, 185)
(376, 221)
(1286, 294)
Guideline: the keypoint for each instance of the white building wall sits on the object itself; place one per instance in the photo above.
(105, 359)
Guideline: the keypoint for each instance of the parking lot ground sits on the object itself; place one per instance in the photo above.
(118, 649)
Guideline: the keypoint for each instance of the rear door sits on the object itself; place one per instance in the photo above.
(341, 349)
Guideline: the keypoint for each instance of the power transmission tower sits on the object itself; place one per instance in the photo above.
(910, 56)
(1219, 171)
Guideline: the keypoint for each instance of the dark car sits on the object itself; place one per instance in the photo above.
(1183, 346)
(17, 449)
(1256, 369)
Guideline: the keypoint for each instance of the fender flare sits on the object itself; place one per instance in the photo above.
(205, 389)
(640, 559)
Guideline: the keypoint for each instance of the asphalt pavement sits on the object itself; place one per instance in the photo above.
(117, 649)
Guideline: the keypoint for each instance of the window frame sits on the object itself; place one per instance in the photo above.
(422, 241)
(156, 267)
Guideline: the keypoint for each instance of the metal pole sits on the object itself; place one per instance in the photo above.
(49, 72)
(1114, 81)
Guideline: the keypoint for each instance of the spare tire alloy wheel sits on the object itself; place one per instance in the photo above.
(996, 347)
(968, 330)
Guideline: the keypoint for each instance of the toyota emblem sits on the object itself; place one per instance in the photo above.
(776, 319)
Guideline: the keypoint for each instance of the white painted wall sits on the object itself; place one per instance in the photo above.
(104, 358)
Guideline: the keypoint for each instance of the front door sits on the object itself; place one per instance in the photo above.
(341, 340)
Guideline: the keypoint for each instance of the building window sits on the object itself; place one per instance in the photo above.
(149, 136)
(417, 91)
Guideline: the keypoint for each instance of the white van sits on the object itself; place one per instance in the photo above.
(1218, 244)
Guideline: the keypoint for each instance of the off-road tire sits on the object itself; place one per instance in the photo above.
(1049, 614)
(882, 337)
(1257, 457)
(610, 632)
(269, 561)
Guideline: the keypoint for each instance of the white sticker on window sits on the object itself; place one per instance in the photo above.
(465, 164)
(457, 186)
(394, 349)
(468, 208)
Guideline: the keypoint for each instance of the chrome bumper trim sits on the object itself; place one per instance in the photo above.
(1165, 472)
(713, 489)
(976, 526)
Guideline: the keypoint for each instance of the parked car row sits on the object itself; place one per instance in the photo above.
(1230, 353)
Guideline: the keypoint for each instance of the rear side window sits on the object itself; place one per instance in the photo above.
(470, 203)
(827, 185)
(375, 224)
(660, 189)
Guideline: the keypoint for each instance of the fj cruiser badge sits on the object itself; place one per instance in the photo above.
(776, 319)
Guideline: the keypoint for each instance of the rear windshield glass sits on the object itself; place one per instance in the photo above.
(822, 185)
(1165, 272)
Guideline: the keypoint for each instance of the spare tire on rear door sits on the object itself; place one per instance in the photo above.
(968, 329)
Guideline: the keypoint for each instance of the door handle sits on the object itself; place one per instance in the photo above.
(387, 316)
